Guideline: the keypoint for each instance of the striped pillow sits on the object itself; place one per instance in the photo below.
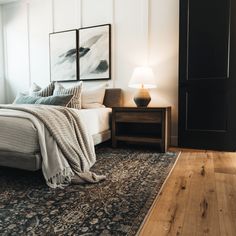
(75, 90)
(36, 91)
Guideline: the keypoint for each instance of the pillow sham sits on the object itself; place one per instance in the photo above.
(63, 100)
(74, 90)
(37, 91)
(93, 97)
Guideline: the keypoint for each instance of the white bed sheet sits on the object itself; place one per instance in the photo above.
(20, 135)
(96, 119)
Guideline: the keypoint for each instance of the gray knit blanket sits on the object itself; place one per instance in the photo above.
(67, 149)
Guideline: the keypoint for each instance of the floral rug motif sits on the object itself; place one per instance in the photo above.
(115, 206)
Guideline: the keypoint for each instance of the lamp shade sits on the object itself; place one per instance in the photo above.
(142, 77)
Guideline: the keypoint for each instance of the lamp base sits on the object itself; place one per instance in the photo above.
(142, 98)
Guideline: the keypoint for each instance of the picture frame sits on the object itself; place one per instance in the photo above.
(64, 55)
(94, 49)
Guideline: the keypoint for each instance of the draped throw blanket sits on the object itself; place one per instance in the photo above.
(67, 149)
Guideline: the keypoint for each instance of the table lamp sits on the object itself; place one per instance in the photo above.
(142, 79)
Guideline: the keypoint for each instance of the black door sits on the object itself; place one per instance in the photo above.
(207, 78)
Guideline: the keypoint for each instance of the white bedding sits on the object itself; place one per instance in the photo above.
(20, 135)
(97, 119)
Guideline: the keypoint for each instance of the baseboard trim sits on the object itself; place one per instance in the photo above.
(174, 141)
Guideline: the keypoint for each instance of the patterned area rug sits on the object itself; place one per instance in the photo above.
(116, 206)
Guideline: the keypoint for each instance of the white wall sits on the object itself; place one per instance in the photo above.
(163, 57)
(2, 84)
(143, 31)
(40, 24)
(15, 30)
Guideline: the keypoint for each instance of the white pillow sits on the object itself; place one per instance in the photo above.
(34, 88)
(93, 98)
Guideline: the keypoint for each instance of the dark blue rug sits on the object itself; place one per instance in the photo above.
(116, 206)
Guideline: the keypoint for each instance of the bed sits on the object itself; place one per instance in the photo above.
(25, 154)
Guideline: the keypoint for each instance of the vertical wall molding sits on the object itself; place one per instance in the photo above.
(81, 13)
(53, 15)
(28, 36)
(5, 58)
(148, 30)
(113, 49)
(78, 13)
(144, 13)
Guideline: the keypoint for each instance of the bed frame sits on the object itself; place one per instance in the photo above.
(32, 162)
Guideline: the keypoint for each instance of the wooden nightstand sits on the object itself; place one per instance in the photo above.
(141, 125)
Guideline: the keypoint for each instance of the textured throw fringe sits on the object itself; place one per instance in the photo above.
(61, 179)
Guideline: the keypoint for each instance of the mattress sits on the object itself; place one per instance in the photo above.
(20, 135)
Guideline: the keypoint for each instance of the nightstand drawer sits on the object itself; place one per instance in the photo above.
(139, 117)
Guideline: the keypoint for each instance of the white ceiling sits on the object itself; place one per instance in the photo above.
(7, 1)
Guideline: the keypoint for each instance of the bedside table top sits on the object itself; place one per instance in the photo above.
(140, 108)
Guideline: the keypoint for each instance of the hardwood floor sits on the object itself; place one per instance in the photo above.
(199, 197)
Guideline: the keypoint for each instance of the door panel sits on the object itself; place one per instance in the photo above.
(206, 76)
(204, 108)
(208, 35)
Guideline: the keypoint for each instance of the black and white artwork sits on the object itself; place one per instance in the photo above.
(63, 55)
(95, 52)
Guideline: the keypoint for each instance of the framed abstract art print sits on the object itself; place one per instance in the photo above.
(64, 55)
(95, 52)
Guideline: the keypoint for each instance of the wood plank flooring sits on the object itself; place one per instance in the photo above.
(199, 197)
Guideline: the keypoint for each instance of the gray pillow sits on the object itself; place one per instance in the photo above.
(62, 100)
